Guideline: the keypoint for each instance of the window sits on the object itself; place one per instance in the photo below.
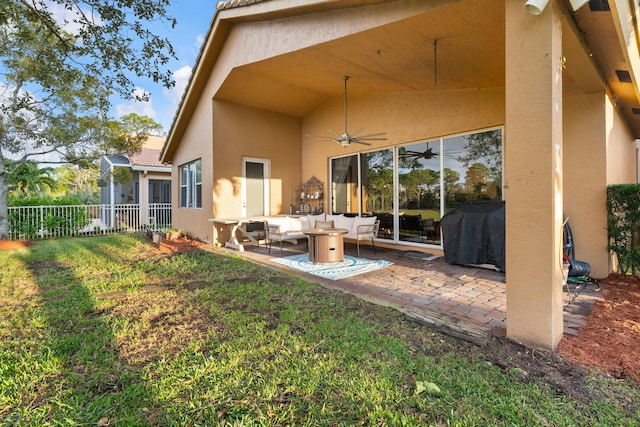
(411, 186)
(191, 185)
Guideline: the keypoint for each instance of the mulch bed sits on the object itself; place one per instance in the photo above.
(611, 337)
(10, 245)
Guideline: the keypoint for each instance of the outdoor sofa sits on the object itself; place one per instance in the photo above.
(291, 228)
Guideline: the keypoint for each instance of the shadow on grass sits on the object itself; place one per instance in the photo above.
(82, 378)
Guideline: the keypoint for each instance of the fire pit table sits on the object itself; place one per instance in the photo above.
(326, 244)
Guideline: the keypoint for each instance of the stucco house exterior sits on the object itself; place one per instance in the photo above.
(149, 185)
(468, 99)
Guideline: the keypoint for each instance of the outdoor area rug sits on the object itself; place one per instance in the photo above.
(334, 270)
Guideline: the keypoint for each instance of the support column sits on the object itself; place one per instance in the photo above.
(143, 194)
(533, 174)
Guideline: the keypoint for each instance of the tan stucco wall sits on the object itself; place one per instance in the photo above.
(248, 132)
(599, 150)
(406, 117)
(533, 176)
(585, 180)
(241, 131)
(621, 150)
(197, 143)
(155, 142)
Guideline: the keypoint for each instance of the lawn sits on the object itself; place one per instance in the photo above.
(108, 331)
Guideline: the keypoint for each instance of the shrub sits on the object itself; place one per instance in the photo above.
(623, 225)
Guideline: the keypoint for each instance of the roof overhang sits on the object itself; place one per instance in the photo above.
(142, 168)
(446, 45)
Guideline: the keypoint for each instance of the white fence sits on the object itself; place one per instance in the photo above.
(40, 222)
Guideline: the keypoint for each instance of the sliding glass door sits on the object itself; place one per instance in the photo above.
(473, 168)
(410, 187)
(344, 185)
(377, 189)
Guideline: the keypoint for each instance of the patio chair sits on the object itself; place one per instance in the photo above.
(367, 232)
(429, 228)
(274, 234)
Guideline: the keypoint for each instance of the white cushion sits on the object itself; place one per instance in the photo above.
(314, 218)
(283, 222)
(369, 220)
(305, 223)
(333, 218)
(344, 222)
(295, 224)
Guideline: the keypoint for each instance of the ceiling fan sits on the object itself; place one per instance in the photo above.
(428, 154)
(345, 139)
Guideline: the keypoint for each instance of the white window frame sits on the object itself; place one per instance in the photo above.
(191, 185)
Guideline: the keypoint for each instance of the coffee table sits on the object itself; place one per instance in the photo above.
(325, 244)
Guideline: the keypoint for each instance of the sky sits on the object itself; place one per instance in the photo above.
(194, 17)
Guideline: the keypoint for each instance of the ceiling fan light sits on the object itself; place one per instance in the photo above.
(535, 7)
(577, 4)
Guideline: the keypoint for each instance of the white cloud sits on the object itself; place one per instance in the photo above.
(65, 17)
(181, 77)
(138, 107)
(199, 40)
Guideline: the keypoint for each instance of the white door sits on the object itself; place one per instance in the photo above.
(255, 189)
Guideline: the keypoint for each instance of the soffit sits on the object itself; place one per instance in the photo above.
(601, 39)
(397, 57)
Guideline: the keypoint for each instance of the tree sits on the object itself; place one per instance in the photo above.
(55, 85)
(379, 188)
(418, 181)
(136, 125)
(29, 180)
(79, 182)
(451, 178)
(477, 178)
(485, 147)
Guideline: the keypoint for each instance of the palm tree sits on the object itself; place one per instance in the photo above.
(28, 179)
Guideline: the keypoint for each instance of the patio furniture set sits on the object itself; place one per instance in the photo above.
(324, 233)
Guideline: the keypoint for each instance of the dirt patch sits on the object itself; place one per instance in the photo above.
(179, 245)
(11, 245)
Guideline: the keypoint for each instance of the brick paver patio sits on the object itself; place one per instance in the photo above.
(469, 302)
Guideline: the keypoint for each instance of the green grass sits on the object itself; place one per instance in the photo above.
(105, 331)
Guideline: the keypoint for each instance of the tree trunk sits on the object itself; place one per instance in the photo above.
(4, 210)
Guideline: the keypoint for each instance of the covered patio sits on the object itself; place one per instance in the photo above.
(553, 97)
(464, 301)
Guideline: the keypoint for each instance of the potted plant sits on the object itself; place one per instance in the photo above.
(173, 234)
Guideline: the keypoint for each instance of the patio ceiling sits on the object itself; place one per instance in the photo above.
(400, 56)
(395, 57)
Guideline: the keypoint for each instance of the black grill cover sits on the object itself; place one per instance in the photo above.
(474, 234)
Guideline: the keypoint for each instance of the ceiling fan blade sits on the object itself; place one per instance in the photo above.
(359, 141)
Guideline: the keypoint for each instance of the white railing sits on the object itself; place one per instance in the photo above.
(40, 222)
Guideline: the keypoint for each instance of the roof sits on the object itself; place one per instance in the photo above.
(147, 157)
(228, 4)
(116, 159)
(154, 141)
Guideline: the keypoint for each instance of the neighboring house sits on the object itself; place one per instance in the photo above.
(147, 184)
(479, 99)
